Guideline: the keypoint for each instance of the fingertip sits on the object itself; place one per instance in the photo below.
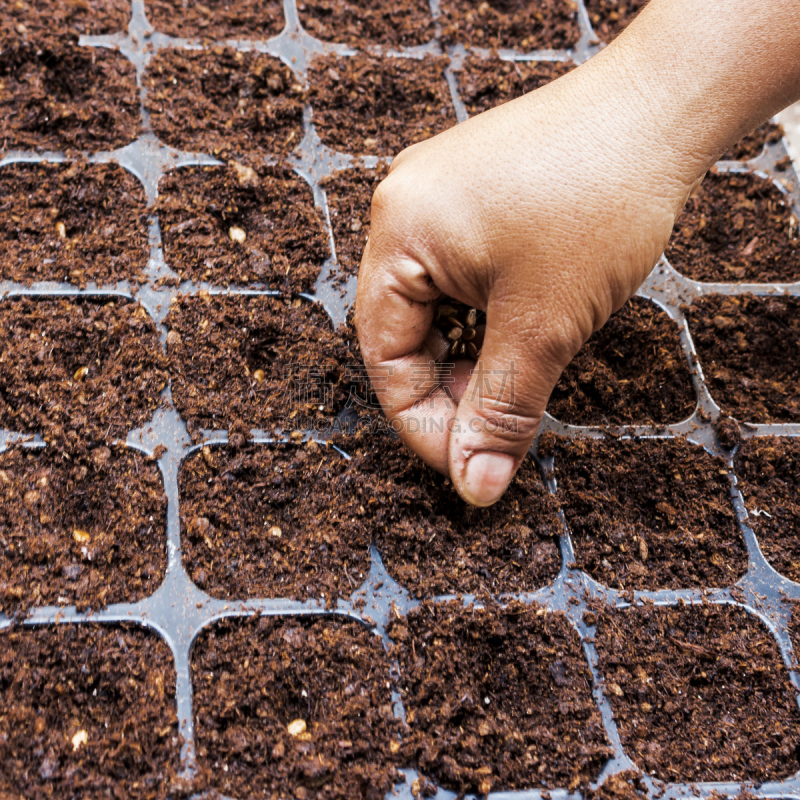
(485, 477)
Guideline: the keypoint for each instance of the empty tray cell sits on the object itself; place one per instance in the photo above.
(222, 101)
(216, 19)
(519, 24)
(699, 693)
(377, 106)
(752, 145)
(86, 370)
(649, 513)
(749, 348)
(74, 222)
(36, 17)
(59, 96)
(87, 711)
(88, 529)
(363, 22)
(238, 225)
(768, 470)
(497, 698)
(633, 371)
(257, 362)
(273, 521)
(736, 228)
(296, 708)
(484, 83)
(349, 194)
(610, 17)
(432, 542)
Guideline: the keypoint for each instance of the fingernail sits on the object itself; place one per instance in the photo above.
(486, 477)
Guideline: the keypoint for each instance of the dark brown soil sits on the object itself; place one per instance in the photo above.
(273, 521)
(627, 785)
(497, 698)
(78, 370)
(432, 542)
(405, 23)
(699, 693)
(486, 83)
(72, 222)
(377, 106)
(349, 194)
(218, 344)
(115, 686)
(224, 102)
(768, 470)
(216, 19)
(58, 96)
(88, 529)
(610, 17)
(736, 228)
(24, 18)
(204, 209)
(649, 513)
(253, 678)
(748, 348)
(633, 371)
(753, 144)
(521, 24)
(794, 632)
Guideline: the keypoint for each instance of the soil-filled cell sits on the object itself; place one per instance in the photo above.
(633, 371)
(222, 102)
(72, 222)
(216, 19)
(432, 542)
(26, 18)
(81, 370)
(649, 513)
(363, 22)
(273, 521)
(610, 17)
(699, 693)
(59, 96)
(768, 470)
(497, 698)
(87, 711)
(349, 194)
(736, 228)
(486, 83)
(297, 708)
(749, 349)
(519, 24)
(257, 362)
(752, 145)
(238, 225)
(87, 529)
(367, 105)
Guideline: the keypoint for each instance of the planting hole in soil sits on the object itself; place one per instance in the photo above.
(87, 529)
(367, 105)
(749, 349)
(73, 222)
(649, 514)
(497, 698)
(632, 371)
(404, 23)
(431, 542)
(736, 227)
(274, 521)
(235, 224)
(768, 469)
(216, 19)
(295, 708)
(716, 671)
(87, 711)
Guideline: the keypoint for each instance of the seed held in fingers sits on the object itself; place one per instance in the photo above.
(454, 334)
(469, 334)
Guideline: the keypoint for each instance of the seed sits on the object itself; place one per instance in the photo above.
(469, 334)
(454, 334)
(445, 311)
(237, 235)
(394, 747)
(296, 727)
(369, 143)
(244, 174)
(81, 737)
(276, 532)
(643, 549)
(81, 537)
(355, 225)
(61, 230)
(173, 339)
(472, 317)
(80, 373)
(258, 376)
(472, 351)
(616, 689)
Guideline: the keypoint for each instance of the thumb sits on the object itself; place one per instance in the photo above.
(500, 411)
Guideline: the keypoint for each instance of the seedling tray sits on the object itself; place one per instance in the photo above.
(178, 611)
